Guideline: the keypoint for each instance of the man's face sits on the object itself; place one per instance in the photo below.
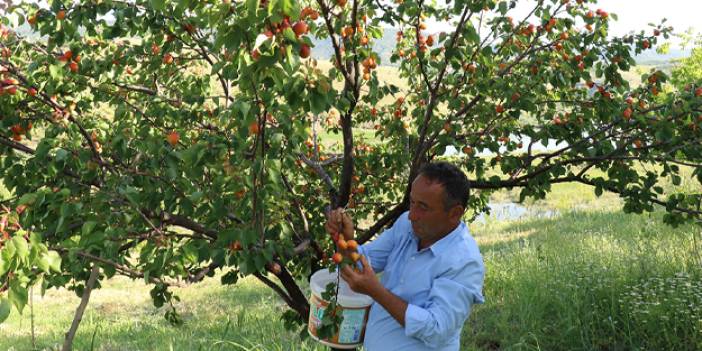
(430, 219)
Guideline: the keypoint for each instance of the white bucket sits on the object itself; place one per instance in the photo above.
(353, 306)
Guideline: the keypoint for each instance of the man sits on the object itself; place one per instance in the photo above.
(432, 268)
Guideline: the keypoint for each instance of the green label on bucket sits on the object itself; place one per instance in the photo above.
(351, 327)
(317, 314)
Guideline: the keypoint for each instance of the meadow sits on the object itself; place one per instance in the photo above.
(587, 277)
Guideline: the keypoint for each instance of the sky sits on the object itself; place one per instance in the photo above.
(635, 14)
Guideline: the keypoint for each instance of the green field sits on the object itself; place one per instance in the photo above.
(588, 278)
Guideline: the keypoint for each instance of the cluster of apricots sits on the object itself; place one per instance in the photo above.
(17, 131)
(173, 137)
(9, 223)
(71, 59)
(300, 28)
(369, 64)
(348, 247)
(8, 86)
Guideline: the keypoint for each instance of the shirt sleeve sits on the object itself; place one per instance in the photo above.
(450, 300)
(378, 250)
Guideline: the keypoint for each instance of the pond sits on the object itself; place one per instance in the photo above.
(552, 145)
(507, 211)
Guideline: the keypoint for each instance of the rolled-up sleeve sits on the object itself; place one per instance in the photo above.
(450, 301)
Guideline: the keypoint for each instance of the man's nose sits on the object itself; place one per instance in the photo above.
(412, 215)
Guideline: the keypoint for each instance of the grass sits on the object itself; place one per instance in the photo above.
(120, 316)
(591, 278)
(583, 281)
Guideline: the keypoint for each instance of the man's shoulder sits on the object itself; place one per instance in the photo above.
(396, 232)
(468, 243)
(402, 225)
(403, 219)
(463, 249)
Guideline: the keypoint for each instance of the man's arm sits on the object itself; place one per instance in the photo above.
(449, 303)
(448, 307)
(392, 303)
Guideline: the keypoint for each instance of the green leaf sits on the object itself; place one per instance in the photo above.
(230, 277)
(289, 35)
(158, 5)
(318, 102)
(28, 199)
(503, 7)
(56, 72)
(88, 227)
(21, 246)
(18, 295)
(196, 196)
(61, 154)
(3, 265)
(132, 194)
(43, 264)
(4, 309)
(472, 34)
(232, 39)
(290, 8)
(35, 239)
(183, 4)
(251, 9)
(54, 260)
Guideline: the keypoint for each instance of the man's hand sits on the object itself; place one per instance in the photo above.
(339, 222)
(362, 281)
(365, 282)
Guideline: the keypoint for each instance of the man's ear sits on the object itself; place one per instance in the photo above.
(456, 212)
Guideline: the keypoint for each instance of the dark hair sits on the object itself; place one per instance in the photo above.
(454, 181)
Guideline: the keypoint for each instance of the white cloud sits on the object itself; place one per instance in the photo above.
(636, 14)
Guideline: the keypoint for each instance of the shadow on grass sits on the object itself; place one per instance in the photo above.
(240, 317)
(578, 224)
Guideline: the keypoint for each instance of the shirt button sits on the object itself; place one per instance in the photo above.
(412, 258)
(402, 281)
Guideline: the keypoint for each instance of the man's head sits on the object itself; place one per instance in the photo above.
(438, 199)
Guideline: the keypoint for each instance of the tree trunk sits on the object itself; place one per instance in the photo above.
(68, 343)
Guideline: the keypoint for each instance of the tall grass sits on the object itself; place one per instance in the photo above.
(590, 278)
(589, 281)
(593, 278)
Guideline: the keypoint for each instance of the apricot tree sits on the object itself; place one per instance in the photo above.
(166, 140)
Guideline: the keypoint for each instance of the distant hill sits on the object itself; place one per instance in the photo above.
(384, 46)
(323, 49)
(651, 56)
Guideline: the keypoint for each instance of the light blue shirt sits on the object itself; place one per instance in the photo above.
(439, 283)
